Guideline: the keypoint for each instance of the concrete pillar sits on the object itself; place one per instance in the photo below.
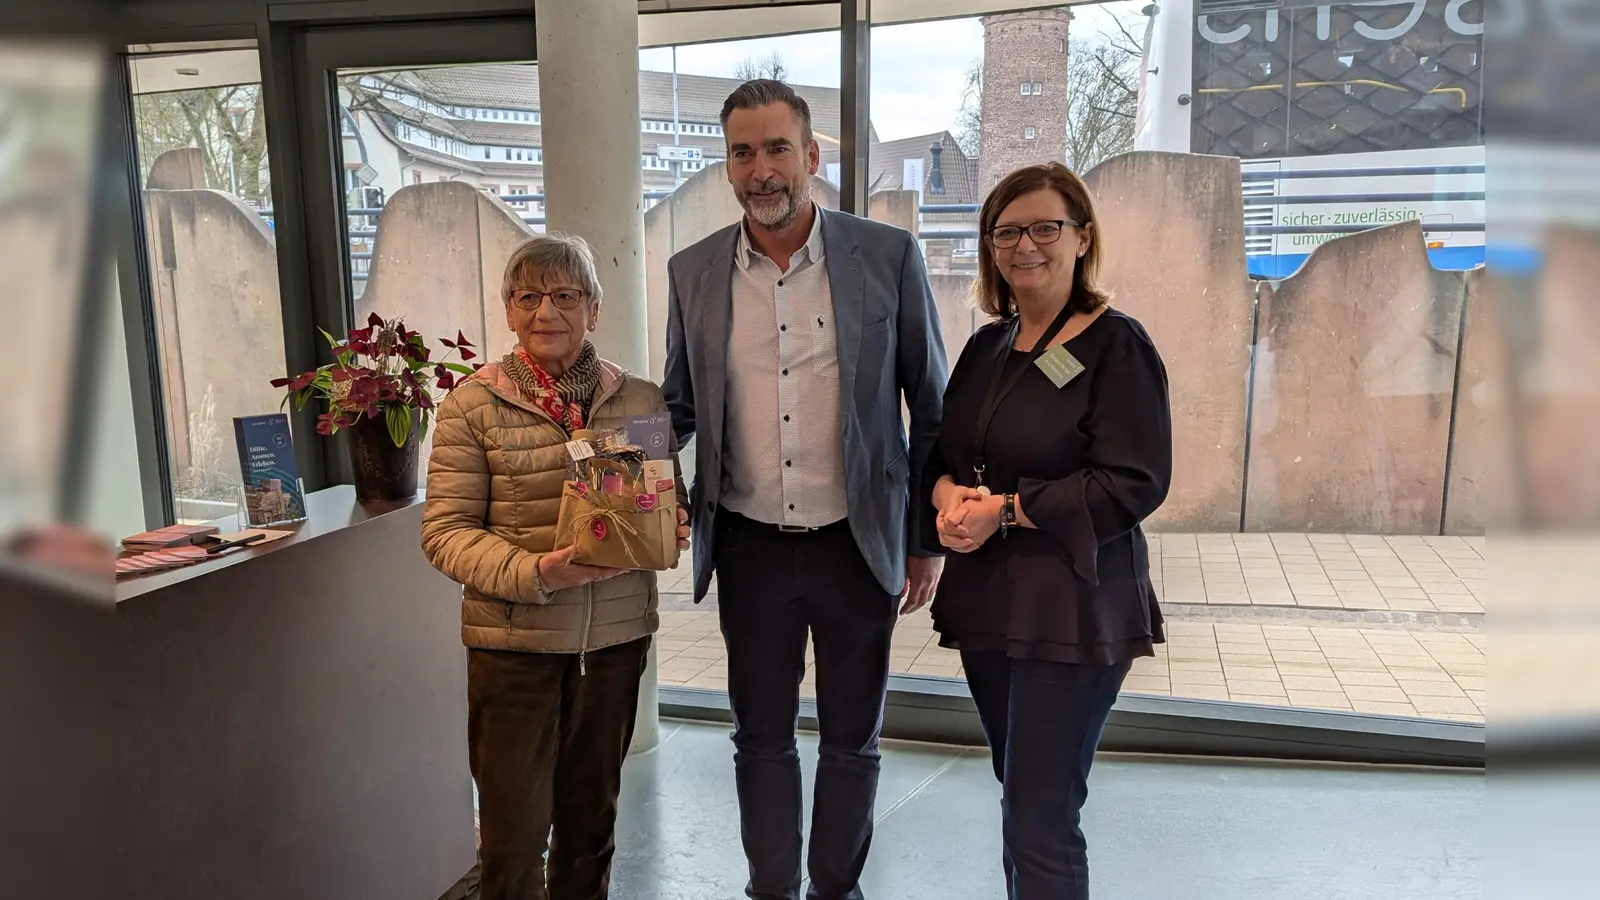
(594, 186)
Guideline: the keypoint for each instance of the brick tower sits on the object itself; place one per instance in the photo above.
(1024, 114)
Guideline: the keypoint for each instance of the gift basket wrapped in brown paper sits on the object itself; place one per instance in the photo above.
(619, 508)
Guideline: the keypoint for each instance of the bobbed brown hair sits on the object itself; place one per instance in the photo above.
(990, 291)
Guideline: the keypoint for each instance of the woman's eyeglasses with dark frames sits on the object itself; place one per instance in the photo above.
(1047, 232)
(565, 298)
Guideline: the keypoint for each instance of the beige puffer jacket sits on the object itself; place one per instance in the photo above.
(494, 495)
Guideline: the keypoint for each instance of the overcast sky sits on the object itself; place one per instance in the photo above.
(918, 70)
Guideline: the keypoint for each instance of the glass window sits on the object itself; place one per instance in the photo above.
(686, 202)
(1336, 79)
(1269, 597)
(200, 128)
(453, 284)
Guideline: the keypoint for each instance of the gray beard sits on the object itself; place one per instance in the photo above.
(788, 214)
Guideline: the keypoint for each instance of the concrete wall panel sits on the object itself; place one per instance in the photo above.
(214, 265)
(898, 208)
(501, 231)
(1172, 232)
(180, 169)
(952, 293)
(1479, 447)
(427, 263)
(1354, 385)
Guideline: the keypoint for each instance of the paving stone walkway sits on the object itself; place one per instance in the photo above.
(1387, 625)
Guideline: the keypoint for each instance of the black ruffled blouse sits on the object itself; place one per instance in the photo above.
(1088, 462)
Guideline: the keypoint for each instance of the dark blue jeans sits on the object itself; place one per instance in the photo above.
(1043, 721)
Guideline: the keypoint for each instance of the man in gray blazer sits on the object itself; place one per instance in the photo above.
(791, 339)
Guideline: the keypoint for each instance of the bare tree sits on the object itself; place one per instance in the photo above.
(770, 66)
(969, 120)
(227, 125)
(1102, 99)
(1122, 38)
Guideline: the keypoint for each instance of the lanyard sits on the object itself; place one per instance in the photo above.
(997, 391)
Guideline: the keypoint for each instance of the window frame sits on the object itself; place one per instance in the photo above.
(298, 41)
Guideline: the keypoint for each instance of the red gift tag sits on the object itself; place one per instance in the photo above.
(598, 529)
(580, 488)
(645, 502)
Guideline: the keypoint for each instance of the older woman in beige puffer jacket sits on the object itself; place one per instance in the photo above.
(555, 648)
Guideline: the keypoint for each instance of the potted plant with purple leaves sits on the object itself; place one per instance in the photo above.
(380, 387)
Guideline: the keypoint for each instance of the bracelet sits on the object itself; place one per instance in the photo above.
(1008, 513)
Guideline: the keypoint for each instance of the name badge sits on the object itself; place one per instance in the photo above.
(1059, 366)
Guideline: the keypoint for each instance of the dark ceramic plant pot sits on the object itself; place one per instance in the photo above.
(382, 470)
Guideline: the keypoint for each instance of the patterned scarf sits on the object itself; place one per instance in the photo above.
(564, 399)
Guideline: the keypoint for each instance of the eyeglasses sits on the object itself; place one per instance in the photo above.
(565, 298)
(1047, 232)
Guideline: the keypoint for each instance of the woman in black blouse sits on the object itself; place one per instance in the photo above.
(1056, 444)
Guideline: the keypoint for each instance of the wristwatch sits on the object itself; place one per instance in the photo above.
(1008, 513)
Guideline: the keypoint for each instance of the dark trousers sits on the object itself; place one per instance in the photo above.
(547, 744)
(772, 588)
(1043, 721)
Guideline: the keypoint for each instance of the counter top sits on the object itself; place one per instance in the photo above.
(327, 511)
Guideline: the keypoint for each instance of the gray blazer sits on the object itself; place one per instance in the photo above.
(890, 344)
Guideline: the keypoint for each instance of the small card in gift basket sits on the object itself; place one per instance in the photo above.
(618, 507)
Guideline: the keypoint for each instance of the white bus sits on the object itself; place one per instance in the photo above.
(1344, 116)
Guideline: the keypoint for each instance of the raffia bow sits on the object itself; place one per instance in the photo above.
(614, 518)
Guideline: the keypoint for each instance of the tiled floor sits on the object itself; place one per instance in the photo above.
(1349, 622)
(1156, 827)
(1222, 830)
(1337, 571)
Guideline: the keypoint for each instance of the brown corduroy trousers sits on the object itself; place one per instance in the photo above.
(547, 742)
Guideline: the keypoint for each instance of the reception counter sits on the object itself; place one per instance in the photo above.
(296, 717)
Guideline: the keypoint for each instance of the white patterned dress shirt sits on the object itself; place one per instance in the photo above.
(783, 450)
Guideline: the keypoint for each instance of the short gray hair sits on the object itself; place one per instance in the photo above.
(552, 254)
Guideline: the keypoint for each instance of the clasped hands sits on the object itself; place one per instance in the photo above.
(967, 518)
